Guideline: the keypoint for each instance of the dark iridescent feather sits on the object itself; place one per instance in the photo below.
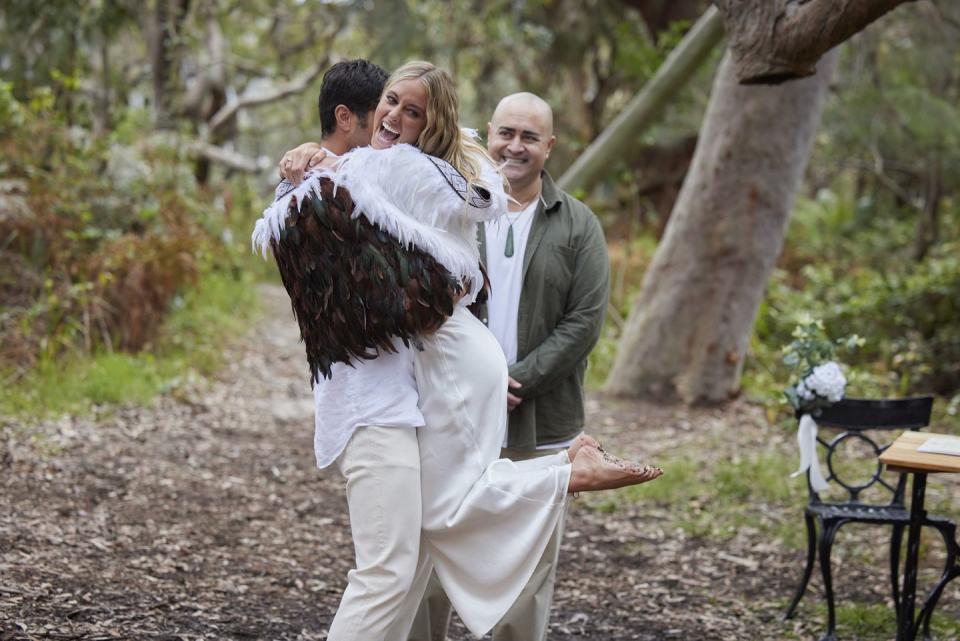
(353, 287)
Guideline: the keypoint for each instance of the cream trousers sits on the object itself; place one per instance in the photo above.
(381, 466)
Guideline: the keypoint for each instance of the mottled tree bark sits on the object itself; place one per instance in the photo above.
(773, 41)
(689, 330)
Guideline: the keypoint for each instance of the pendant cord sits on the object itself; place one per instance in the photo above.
(508, 246)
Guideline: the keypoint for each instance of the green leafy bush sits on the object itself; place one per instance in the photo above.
(856, 273)
(190, 343)
(98, 235)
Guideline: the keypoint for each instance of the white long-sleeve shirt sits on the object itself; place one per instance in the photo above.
(381, 392)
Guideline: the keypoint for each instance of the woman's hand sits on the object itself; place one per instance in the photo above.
(296, 161)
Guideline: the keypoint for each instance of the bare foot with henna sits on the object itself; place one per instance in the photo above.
(595, 470)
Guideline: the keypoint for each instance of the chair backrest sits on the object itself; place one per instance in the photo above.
(854, 417)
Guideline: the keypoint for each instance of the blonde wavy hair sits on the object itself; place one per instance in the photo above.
(442, 136)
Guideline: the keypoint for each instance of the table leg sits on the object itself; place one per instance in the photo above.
(905, 629)
(950, 572)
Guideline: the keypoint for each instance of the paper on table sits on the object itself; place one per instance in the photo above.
(941, 445)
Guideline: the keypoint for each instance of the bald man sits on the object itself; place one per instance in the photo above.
(549, 272)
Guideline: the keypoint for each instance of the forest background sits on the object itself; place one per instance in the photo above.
(138, 144)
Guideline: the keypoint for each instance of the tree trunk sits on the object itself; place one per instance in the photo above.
(163, 25)
(928, 222)
(211, 92)
(689, 330)
(102, 120)
(160, 63)
(773, 41)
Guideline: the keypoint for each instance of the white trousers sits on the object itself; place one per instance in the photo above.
(486, 521)
(382, 468)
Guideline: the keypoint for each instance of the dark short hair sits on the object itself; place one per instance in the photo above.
(356, 84)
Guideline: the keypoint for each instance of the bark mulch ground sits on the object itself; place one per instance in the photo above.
(202, 516)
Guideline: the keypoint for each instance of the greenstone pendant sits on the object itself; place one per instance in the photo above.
(508, 248)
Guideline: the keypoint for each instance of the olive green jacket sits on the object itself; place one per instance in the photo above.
(563, 303)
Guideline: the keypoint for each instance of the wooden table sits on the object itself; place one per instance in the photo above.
(902, 456)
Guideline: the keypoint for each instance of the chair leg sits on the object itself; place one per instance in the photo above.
(950, 571)
(808, 570)
(828, 531)
(896, 538)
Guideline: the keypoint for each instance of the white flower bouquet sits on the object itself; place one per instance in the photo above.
(819, 379)
(819, 383)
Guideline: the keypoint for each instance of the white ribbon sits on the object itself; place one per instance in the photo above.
(807, 439)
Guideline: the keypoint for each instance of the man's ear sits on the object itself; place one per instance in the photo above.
(344, 117)
(550, 144)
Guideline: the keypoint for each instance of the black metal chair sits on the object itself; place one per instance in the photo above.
(854, 418)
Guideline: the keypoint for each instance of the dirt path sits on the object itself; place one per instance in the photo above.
(203, 517)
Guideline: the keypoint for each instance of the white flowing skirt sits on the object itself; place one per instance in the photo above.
(486, 521)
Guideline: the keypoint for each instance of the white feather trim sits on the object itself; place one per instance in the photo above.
(416, 199)
(419, 200)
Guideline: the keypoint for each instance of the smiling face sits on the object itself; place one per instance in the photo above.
(401, 114)
(520, 135)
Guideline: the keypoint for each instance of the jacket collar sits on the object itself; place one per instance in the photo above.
(549, 193)
(549, 204)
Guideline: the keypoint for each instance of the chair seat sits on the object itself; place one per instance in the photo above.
(860, 512)
(870, 513)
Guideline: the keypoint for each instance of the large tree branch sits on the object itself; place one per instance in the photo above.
(206, 94)
(773, 41)
(225, 157)
(296, 86)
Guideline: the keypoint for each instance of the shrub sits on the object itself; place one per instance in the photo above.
(857, 274)
(96, 236)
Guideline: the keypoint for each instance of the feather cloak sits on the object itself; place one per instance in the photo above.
(377, 249)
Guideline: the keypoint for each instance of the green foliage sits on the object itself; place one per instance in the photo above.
(856, 275)
(811, 346)
(72, 250)
(898, 100)
(876, 251)
(101, 237)
(629, 257)
(192, 341)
